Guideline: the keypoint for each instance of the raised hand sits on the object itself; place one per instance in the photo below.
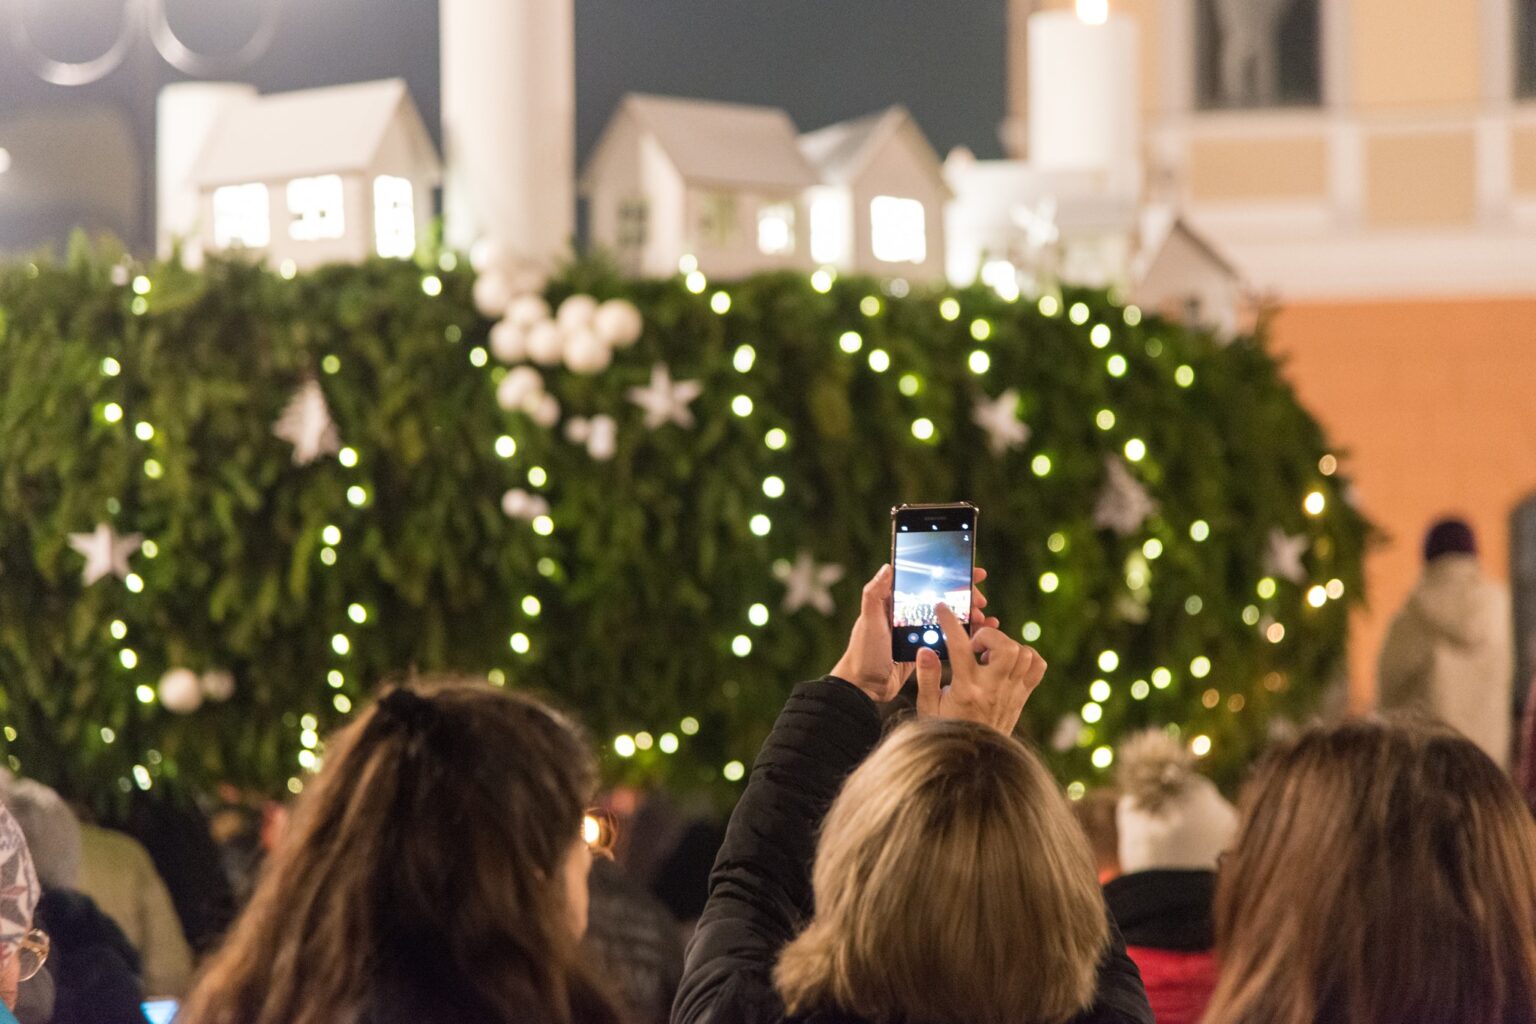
(991, 678)
(867, 662)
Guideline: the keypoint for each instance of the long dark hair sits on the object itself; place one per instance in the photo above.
(421, 878)
(1384, 872)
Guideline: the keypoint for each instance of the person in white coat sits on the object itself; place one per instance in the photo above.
(1450, 650)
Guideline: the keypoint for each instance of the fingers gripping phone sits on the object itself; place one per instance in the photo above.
(933, 553)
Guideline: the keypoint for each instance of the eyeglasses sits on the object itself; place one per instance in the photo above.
(599, 832)
(32, 953)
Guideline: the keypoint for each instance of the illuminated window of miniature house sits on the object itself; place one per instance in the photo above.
(317, 208)
(394, 217)
(898, 230)
(776, 228)
(242, 217)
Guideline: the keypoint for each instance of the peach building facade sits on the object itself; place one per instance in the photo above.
(1374, 177)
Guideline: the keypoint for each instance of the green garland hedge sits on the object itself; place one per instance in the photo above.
(646, 582)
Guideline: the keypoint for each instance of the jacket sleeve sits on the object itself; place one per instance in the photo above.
(1121, 998)
(1403, 667)
(760, 889)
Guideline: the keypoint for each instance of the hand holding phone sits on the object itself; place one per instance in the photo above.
(992, 676)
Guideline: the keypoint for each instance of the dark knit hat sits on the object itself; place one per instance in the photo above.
(1449, 537)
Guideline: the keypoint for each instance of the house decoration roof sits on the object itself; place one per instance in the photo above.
(729, 144)
(842, 151)
(334, 130)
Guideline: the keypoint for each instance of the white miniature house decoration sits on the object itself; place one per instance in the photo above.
(305, 178)
(879, 207)
(722, 184)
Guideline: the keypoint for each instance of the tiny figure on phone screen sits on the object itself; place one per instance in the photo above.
(933, 553)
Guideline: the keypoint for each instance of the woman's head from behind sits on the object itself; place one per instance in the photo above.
(439, 854)
(952, 884)
(1384, 872)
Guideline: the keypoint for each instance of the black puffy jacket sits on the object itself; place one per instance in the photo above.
(760, 890)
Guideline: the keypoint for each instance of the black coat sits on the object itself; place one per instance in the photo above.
(95, 969)
(1165, 909)
(760, 890)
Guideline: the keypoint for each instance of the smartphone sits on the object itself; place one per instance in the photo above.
(161, 1011)
(933, 551)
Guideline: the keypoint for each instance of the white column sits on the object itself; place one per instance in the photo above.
(509, 125)
(185, 115)
(1083, 95)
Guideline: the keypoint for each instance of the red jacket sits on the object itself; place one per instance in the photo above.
(1178, 984)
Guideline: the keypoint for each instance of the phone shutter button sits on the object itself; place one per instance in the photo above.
(931, 637)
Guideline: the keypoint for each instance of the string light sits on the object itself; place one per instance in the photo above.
(1049, 305)
(776, 439)
(1057, 542)
(922, 428)
(741, 405)
(1314, 503)
(111, 367)
(1152, 549)
(741, 645)
(1328, 465)
(432, 285)
(328, 556)
(1040, 465)
(910, 384)
(980, 362)
(1184, 376)
(1049, 581)
(687, 263)
(1162, 678)
(107, 735)
(1135, 449)
(141, 285)
(335, 679)
(1199, 530)
(342, 703)
(1210, 698)
(1103, 757)
(146, 694)
(347, 457)
(869, 305)
(696, 282)
(357, 496)
(1251, 615)
(128, 657)
(153, 469)
(143, 431)
(1030, 632)
(1200, 745)
(1076, 790)
(149, 549)
(341, 645)
(689, 726)
(134, 582)
(720, 302)
(543, 526)
(743, 358)
(1099, 336)
(1140, 690)
(1317, 596)
(1116, 365)
(1200, 667)
(1266, 587)
(981, 329)
(1108, 662)
(478, 356)
(821, 280)
(760, 525)
(519, 643)
(506, 447)
(331, 365)
(537, 477)
(949, 309)
(1335, 589)
(1100, 689)
(758, 615)
(112, 412)
(1104, 419)
(668, 743)
(733, 771)
(1193, 604)
(1092, 712)
(850, 342)
(532, 607)
(1132, 315)
(1275, 633)
(139, 306)
(118, 629)
(773, 486)
(644, 740)
(879, 360)
(624, 746)
(357, 613)
(547, 567)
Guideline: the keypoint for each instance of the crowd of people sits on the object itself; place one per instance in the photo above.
(896, 857)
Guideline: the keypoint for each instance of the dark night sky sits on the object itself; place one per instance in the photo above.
(822, 60)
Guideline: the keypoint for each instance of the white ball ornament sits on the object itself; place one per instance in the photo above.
(493, 292)
(485, 254)
(218, 685)
(520, 388)
(576, 313)
(618, 322)
(603, 438)
(509, 341)
(527, 310)
(546, 345)
(578, 429)
(547, 412)
(586, 353)
(181, 691)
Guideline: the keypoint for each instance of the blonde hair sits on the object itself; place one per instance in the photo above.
(1384, 872)
(952, 884)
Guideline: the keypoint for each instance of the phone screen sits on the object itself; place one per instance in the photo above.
(161, 1011)
(933, 551)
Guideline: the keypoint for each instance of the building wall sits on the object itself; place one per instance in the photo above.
(1434, 402)
(899, 169)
